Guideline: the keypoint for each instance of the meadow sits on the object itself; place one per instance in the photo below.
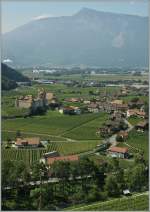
(133, 203)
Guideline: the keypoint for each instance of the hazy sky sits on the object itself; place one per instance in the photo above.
(16, 13)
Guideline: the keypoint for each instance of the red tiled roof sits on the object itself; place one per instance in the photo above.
(28, 141)
(118, 149)
(49, 160)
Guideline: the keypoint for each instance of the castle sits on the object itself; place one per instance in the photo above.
(41, 101)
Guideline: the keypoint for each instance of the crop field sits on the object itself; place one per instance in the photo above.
(55, 123)
(87, 130)
(134, 203)
(139, 141)
(32, 155)
(99, 77)
(128, 98)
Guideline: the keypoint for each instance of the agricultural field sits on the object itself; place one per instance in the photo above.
(138, 202)
(134, 120)
(33, 155)
(139, 141)
(128, 98)
(55, 123)
(87, 130)
(80, 77)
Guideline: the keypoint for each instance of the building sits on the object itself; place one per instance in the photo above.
(49, 155)
(142, 126)
(118, 152)
(123, 134)
(93, 108)
(42, 100)
(70, 110)
(50, 97)
(135, 112)
(33, 142)
(50, 160)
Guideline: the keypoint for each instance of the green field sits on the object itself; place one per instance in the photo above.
(134, 203)
(56, 124)
(30, 156)
(87, 130)
(135, 120)
(139, 141)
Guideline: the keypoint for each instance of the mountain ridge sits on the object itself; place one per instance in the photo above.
(81, 39)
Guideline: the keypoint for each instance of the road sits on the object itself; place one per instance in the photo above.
(112, 139)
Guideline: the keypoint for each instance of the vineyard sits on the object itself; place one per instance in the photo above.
(29, 156)
(135, 203)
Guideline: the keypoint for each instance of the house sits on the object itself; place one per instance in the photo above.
(86, 102)
(28, 142)
(117, 101)
(135, 112)
(49, 155)
(117, 105)
(71, 110)
(118, 152)
(49, 97)
(142, 126)
(123, 134)
(93, 108)
(74, 100)
(50, 160)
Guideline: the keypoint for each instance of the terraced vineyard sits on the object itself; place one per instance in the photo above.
(32, 155)
(136, 203)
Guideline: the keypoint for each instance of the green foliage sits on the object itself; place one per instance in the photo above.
(111, 186)
(10, 77)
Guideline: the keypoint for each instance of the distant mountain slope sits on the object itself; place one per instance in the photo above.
(88, 37)
(10, 77)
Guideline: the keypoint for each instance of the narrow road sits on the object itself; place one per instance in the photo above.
(112, 139)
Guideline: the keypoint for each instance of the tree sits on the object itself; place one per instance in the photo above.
(137, 179)
(112, 186)
(18, 134)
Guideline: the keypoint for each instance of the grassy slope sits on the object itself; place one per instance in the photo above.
(134, 203)
(53, 123)
(87, 130)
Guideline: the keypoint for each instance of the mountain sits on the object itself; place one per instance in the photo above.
(10, 77)
(88, 37)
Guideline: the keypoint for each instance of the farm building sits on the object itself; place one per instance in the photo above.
(118, 152)
(49, 160)
(28, 142)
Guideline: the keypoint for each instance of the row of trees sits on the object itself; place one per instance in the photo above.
(78, 182)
